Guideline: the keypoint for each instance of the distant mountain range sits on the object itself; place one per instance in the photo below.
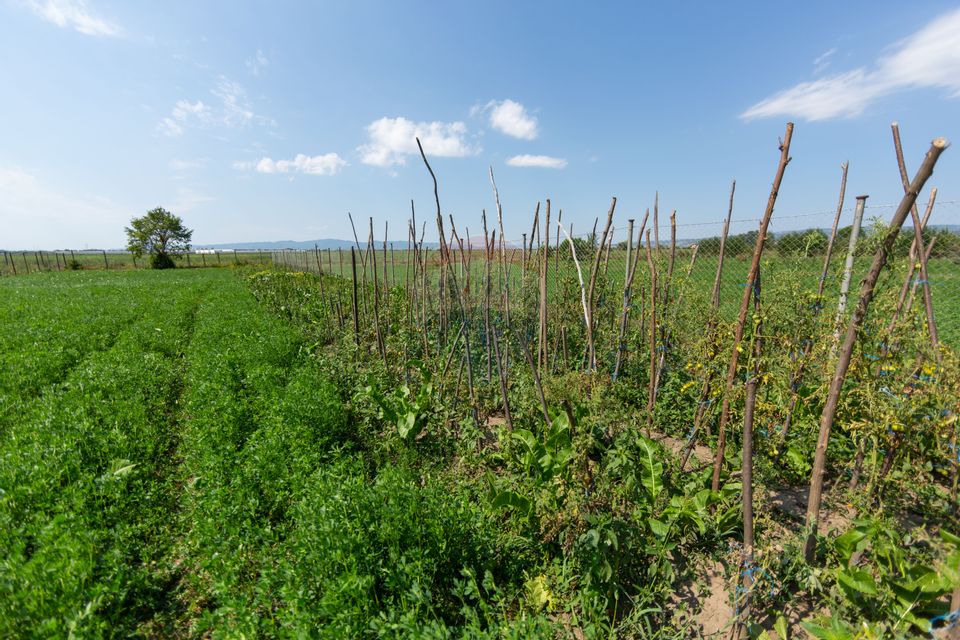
(322, 243)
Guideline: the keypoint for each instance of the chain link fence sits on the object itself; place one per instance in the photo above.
(687, 265)
(25, 262)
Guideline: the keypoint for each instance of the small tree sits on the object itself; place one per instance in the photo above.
(160, 234)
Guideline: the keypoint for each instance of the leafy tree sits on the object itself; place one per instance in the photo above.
(160, 234)
(812, 242)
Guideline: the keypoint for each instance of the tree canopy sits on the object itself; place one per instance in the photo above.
(159, 234)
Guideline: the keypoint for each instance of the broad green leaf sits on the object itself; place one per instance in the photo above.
(780, 626)
(849, 542)
(823, 633)
(538, 593)
(406, 426)
(511, 500)
(949, 537)
(857, 580)
(651, 468)
(660, 529)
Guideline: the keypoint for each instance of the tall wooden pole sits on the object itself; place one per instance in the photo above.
(846, 350)
(745, 303)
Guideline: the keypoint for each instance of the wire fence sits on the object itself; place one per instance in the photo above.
(25, 262)
(686, 261)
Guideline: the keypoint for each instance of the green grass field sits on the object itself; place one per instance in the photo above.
(186, 468)
(24, 262)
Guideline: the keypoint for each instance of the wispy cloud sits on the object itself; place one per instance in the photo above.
(187, 199)
(187, 165)
(327, 164)
(510, 118)
(55, 219)
(823, 61)
(258, 63)
(928, 58)
(542, 162)
(391, 140)
(73, 14)
(233, 110)
(236, 108)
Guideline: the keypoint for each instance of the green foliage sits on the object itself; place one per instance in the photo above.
(238, 465)
(891, 584)
(159, 234)
(409, 411)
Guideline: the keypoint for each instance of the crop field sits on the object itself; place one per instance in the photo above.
(412, 321)
(558, 441)
(239, 461)
(23, 262)
(696, 281)
(190, 468)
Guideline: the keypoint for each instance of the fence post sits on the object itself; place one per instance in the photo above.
(106, 265)
(356, 317)
(848, 266)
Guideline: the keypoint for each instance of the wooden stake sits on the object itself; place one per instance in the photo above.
(918, 243)
(592, 359)
(747, 464)
(542, 345)
(583, 291)
(848, 266)
(656, 222)
(651, 385)
(503, 382)
(356, 315)
(796, 377)
(744, 305)
(846, 351)
(625, 311)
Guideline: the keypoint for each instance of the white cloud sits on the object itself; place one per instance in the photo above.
(543, 162)
(183, 112)
(184, 109)
(234, 110)
(236, 107)
(74, 14)
(170, 127)
(324, 165)
(511, 118)
(256, 64)
(391, 140)
(929, 58)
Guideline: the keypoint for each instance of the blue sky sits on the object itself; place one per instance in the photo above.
(270, 121)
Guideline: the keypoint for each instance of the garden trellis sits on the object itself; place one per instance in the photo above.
(624, 306)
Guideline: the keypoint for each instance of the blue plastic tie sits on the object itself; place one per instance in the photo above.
(950, 620)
